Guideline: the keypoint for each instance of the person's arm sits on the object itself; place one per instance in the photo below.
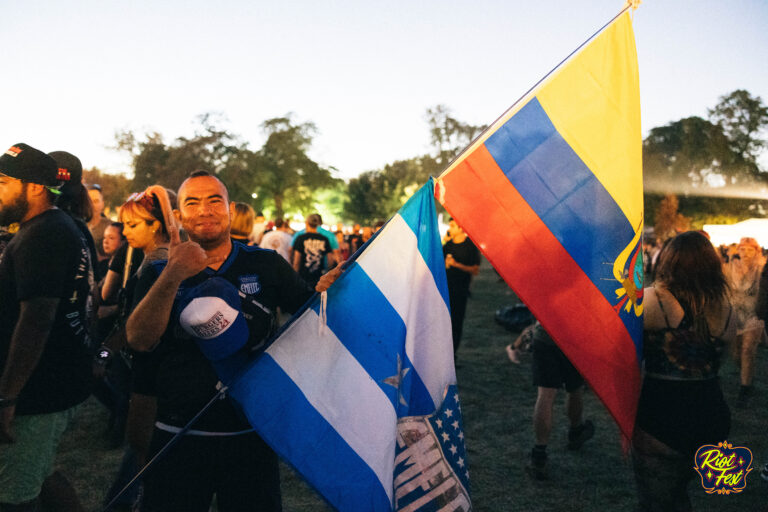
(28, 340)
(296, 260)
(470, 269)
(333, 256)
(149, 319)
(111, 286)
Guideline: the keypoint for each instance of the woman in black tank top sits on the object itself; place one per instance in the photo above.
(687, 324)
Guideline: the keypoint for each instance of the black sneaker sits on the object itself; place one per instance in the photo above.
(537, 467)
(577, 436)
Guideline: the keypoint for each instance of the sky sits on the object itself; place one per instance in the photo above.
(364, 72)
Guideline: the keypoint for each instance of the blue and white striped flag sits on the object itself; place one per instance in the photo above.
(359, 395)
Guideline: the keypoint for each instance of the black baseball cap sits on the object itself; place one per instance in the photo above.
(23, 162)
(70, 170)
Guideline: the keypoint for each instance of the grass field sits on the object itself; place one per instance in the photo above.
(497, 402)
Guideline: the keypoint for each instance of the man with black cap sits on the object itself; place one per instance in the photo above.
(45, 365)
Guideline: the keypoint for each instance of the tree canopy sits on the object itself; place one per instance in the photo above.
(742, 117)
(448, 135)
(279, 176)
(706, 163)
(285, 177)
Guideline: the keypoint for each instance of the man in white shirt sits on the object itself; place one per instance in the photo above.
(278, 240)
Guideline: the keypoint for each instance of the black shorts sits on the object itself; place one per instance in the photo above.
(551, 369)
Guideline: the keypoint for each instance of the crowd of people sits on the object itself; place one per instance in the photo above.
(136, 310)
(132, 320)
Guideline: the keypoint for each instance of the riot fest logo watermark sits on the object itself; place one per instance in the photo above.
(723, 468)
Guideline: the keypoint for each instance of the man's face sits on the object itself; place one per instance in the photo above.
(747, 252)
(204, 210)
(454, 229)
(98, 202)
(13, 200)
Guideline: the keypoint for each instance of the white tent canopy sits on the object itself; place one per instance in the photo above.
(725, 234)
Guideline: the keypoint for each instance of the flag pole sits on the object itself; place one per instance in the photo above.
(633, 4)
(160, 454)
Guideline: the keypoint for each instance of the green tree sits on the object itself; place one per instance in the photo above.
(329, 202)
(369, 197)
(377, 195)
(211, 148)
(742, 117)
(114, 187)
(691, 151)
(149, 156)
(448, 135)
(285, 177)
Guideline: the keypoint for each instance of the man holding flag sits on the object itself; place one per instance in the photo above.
(359, 392)
(212, 300)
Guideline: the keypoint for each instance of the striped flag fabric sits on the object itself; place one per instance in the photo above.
(552, 194)
(358, 393)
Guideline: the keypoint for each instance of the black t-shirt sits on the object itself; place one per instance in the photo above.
(83, 227)
(183, 379)
(465, 253)
(313, 247)
(49, 257)
(117, 263)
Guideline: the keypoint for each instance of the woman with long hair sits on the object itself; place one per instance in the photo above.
(147, 219)
(687, 324)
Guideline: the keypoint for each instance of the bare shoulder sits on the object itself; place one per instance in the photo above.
(652, 317)
(660, 308)
(721, 322)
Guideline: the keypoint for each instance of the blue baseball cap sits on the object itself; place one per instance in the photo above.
(211, 314)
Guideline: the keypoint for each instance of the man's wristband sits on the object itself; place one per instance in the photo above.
(7, 402)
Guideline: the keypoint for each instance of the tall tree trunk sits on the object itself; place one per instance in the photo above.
(278, 206)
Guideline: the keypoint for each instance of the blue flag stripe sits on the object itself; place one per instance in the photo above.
(397, 268)
(333, 382)
(357, 301)
(349, 483)
(419, 214)
(566, 195)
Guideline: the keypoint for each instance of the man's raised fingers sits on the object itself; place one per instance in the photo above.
(173, 233)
